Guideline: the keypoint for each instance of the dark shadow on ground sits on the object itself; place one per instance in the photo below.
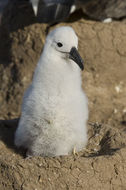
(105, 144)
(109, 152)
(7, 132)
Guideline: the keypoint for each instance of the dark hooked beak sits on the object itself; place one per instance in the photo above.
(75, 56)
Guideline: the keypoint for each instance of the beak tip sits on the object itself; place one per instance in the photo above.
(75, 56)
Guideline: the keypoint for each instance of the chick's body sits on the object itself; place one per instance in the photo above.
(54, 110)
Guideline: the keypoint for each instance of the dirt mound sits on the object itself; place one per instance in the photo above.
(102, 164)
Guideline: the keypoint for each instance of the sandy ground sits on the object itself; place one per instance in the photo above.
(102, 165)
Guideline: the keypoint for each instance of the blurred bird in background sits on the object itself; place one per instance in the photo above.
(58, 10)
(53, 11)
(49, 11)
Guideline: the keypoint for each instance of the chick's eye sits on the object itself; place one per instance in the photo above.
(59, 44)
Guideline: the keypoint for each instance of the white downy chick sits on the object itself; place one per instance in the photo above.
(55, 110)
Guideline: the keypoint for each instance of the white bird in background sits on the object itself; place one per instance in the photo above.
(52, 11)
(55, 110)
(35, 5)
